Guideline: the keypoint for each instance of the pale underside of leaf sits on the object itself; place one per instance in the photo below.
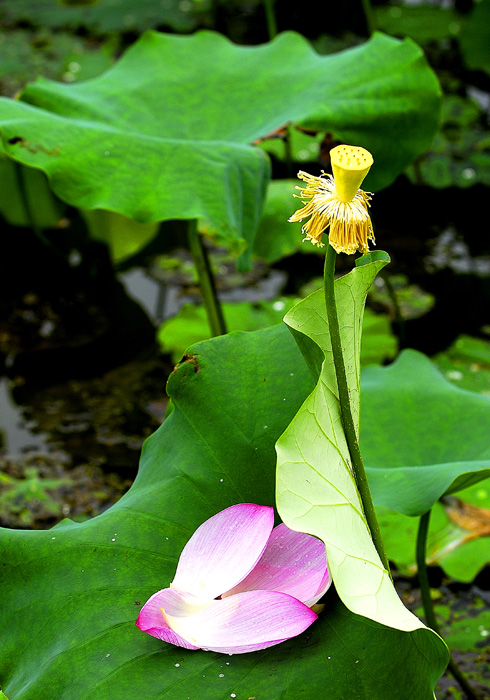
(316, 491)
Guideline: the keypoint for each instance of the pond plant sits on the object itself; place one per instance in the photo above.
(260, 419)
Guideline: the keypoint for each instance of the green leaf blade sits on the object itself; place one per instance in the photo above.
(168, 131)
(316, 490)
(421, 436)
(69, 604)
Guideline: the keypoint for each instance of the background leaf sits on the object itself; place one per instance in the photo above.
(316, 490)
(421, 436)
(474, 38)
(106, 15)
(71, 595)
(166, 132)
(460, 552)
(190, 325)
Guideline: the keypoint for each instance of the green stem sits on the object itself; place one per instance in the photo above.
(199, 254)
(270, 18)
(369, 16)
(288, 152)
(32, 223)
(345, 408)
(396, 305)
(429, 613)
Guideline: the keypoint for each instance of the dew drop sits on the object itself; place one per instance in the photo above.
(176, 665)
(113, 539)
(53, 538)
(107, 656)
(221, 675)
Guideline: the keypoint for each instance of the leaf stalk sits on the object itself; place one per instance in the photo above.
(345, 408)
(430, 616)
(214, 312)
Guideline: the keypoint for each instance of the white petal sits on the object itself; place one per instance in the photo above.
(223, 550)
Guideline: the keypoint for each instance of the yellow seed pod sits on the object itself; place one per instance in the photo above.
(350, 165)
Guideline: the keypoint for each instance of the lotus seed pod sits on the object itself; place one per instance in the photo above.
(350, 165)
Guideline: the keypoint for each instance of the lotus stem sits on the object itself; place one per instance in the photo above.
(214, 312)
(369, 16)
(430, 617)
(345, 408)
(270, 18)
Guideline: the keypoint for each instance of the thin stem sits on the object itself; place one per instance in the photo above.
(288, 152)
(199, 254)
(396, 305)
(32, 223)
(270, 18)
(345, 408)
(429, 613)
(369, 16)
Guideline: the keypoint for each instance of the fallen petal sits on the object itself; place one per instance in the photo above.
(293, 563)
(235, 625)
(153, 621)
(223, 550)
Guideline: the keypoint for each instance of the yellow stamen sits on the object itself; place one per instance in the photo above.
(337, 202)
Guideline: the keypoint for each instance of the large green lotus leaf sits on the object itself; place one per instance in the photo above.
(166, 133)
(461, 551)
(190, 325)
(316, 490)
(123, 237)
(105, 15)
(421, 437)
(71, 595)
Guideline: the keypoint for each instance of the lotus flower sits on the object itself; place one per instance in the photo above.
(337, 203)
(240, 585)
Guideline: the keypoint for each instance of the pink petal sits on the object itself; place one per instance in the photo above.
(223, 550)
(235, 625)
(152, 620)
(293, 563)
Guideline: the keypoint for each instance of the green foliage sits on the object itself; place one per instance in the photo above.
(106, 15)
(25, 197)
(27, 53)
(276, 236)
(424, 23)
(467, 363)
(75, 591)
(188, 108)
(474, 40)
(421, 437)
(16, 494)
(123, 237)
(190, 325)
(378, 343)
(461, 552)
(460, 154)
(316, 491)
